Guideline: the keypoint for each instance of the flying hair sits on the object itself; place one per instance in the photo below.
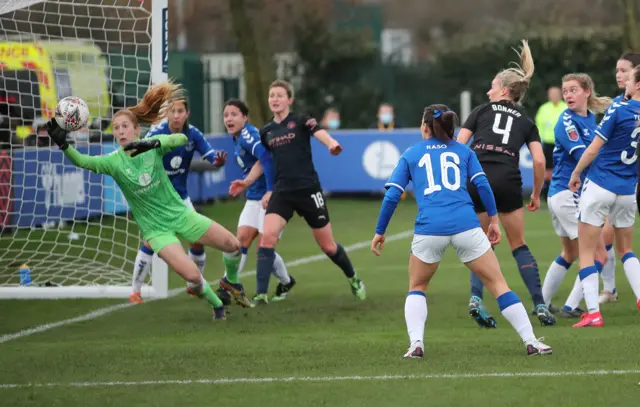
(517, 78)
(155, 103)
(595, 103)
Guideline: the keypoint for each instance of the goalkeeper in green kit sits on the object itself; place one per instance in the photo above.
(159, 211)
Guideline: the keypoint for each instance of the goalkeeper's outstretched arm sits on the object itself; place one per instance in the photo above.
(105, 164)
(100, 164)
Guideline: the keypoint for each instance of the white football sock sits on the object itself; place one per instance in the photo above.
(280, 270)
(590, 284)
(141, 268)
(415, 315)
(243, 259)
(632, 270)
(199, 259)
(519, 320)
(553, 279)
(575, 296)
(609, 272)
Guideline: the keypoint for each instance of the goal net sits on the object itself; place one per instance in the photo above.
(66, 232)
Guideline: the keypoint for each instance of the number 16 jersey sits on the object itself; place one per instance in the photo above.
(440, 172)
(499, 131)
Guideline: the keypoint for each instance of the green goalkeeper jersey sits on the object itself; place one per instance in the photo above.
(154, 202)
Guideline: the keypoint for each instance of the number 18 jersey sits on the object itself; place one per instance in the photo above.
(440, 172)
(500, 129)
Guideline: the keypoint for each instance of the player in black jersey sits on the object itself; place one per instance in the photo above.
(500, 128)
(296, 188)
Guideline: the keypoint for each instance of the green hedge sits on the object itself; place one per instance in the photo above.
(474, 67)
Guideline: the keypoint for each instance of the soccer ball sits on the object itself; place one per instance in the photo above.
(72, 113)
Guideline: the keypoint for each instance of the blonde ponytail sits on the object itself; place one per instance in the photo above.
(516, 79)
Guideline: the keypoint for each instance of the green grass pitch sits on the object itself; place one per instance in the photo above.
(335, 350)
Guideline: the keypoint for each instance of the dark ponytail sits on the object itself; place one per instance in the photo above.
(441, 122)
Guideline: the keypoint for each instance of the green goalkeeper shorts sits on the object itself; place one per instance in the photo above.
(191, 227)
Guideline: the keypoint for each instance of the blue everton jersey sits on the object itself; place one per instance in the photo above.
(573, 134)
(440, 173)
(618, 98)
(615, 169)
(248, 149)
(178, 161)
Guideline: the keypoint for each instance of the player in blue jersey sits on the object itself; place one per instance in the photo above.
(258, 177)
(609, 190)
(439, 168)
(574, 131)
(624, 66)
(176, 164)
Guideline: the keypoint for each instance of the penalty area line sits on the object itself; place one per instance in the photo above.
(256, 380)
(175, 291)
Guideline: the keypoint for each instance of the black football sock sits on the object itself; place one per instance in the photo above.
(528, 268)
(341, 259)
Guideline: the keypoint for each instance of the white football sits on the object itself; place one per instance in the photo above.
(72, 113)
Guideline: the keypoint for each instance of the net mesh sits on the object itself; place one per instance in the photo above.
(70, 226)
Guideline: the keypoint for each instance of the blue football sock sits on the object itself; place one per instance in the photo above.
(477, 288)
(266, 258)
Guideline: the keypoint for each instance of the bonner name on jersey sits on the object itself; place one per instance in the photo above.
(501, 108)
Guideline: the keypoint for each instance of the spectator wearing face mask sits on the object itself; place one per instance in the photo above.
(386, 118)
(331, 119)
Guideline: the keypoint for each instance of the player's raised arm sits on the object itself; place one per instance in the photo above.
(99, 164)
(163, 143)
(216, 157)
(322, 135)
(325, 138)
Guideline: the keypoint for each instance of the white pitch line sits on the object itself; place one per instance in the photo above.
(172, 293)
(254, 380)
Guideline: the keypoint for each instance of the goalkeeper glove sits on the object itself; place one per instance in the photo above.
(57, 134)
(141, 146)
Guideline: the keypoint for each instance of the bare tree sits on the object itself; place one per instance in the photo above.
(253, 43)
(631, 31)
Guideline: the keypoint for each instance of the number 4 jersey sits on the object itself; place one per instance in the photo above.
(439, 172)
(614, 168)
(500, 129)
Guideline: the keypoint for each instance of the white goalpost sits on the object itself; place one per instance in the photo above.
(66, 232)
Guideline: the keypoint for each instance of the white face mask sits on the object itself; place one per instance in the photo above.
(386, 117)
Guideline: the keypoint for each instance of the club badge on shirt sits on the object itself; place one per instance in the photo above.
(572, 132)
